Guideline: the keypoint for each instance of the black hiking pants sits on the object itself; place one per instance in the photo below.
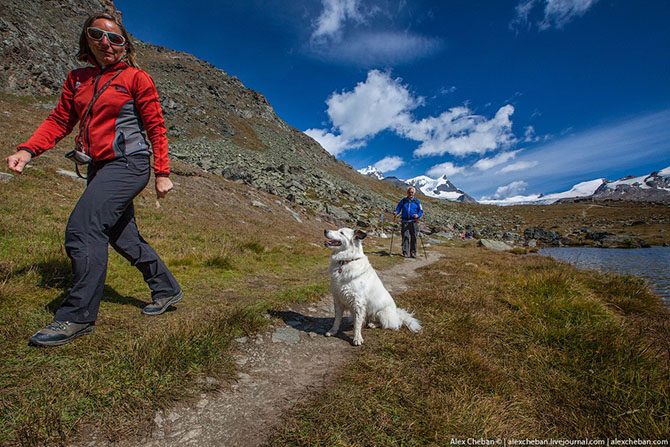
(103, 216)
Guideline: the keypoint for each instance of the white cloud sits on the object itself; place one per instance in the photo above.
(345, 32)
(385, 103)
(447, 169)
(529, 136)
(557, 13)
(333, 17)
(459, 132)
(518, 166)
(636, 146)
(513, 189)
(334, 144)
(488, 163)
(389, 164)
(379, 103)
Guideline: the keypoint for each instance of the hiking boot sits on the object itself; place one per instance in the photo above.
(160, 305)
(60, 332)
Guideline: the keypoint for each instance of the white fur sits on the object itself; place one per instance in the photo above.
(356, 287)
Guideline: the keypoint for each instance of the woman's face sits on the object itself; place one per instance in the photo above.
(103, 51)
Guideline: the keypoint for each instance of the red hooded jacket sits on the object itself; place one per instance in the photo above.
(117, 122)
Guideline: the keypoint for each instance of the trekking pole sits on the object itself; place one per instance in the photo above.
(423, 246)
(392, 229)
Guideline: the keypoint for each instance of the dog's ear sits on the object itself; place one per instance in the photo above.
(360, 234)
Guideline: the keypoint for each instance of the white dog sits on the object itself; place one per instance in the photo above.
(356, 287)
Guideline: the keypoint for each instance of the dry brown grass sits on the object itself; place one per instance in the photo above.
(513, 346)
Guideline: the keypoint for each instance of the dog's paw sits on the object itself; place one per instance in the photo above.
(372, 325)
(329, 334)
(358, 341)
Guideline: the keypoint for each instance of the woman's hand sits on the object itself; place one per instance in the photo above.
(18, 160)
(163, 186)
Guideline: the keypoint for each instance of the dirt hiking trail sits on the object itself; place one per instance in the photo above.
(276, 370)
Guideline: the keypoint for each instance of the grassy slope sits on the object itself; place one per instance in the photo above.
(233, 267)
(513, 346)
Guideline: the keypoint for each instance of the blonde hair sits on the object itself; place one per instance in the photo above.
(86, 55)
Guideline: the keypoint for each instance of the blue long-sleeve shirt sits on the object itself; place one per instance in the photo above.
(408, 208)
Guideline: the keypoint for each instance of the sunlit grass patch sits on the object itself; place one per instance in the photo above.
(133, 364)
(512, 347)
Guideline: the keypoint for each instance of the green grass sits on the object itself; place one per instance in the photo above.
(132, 364)
(513, 346)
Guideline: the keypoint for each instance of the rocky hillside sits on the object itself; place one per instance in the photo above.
(213, 120)
(216, 123)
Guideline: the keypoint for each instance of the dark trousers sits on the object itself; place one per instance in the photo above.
(103, 216)
(409, 231)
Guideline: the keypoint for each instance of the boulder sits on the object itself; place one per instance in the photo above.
(337, 213)
(494, 245)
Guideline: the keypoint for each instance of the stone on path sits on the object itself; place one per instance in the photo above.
(286, 335)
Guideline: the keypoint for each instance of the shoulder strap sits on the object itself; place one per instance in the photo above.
(82, 122)
(97, 95)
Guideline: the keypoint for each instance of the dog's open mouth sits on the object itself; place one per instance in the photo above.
(332, 243)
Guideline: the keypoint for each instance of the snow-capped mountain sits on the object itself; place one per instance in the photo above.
(654, 187)
(373, 172)
(583, 189)
(440, 188)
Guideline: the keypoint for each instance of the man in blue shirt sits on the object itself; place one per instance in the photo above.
(410, 210)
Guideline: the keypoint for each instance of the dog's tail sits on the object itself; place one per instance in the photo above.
(407, 319)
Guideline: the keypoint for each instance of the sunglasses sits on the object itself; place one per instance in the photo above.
(97, 34)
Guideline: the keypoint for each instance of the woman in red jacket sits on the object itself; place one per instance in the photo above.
(116, 105)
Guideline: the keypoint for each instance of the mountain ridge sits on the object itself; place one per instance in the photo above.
(653, 187)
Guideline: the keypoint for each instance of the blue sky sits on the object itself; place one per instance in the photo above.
(541, 94)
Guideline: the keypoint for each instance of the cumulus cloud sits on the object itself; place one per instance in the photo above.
(488, 163)
(379, 103)
(556, 13)
(447, 169)
(385, 103)
(518, 166)
(388, 164)
(459, 132)
(513, 189)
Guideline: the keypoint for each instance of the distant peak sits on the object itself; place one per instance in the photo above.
(373, 172)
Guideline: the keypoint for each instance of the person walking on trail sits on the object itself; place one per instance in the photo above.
(410, 211)
(115, 103)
